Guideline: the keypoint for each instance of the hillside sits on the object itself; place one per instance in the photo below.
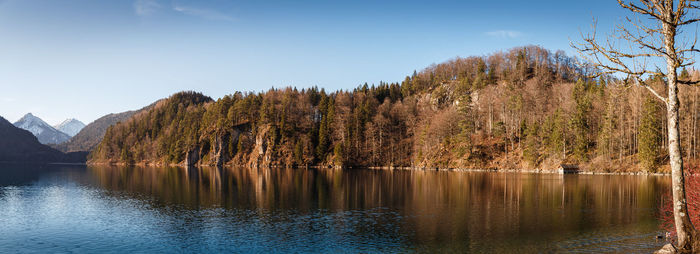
(91, 135)
(523, 108)
(18, 145)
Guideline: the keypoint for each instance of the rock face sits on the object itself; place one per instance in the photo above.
(220, 150)
(70, 126)
(192, 157)
(216, 153)
(18, 145)
(45, 133)
(261, 155)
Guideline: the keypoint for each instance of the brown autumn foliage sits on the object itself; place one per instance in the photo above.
(466, 112)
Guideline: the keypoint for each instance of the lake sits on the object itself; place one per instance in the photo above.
(88, 209)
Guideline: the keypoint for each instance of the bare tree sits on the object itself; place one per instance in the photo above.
(635, 49)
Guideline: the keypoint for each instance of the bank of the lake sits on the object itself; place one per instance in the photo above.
(390, 168)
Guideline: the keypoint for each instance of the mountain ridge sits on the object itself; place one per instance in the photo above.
(70, 126)
(19, 145)
(45, 133)
(91, 135)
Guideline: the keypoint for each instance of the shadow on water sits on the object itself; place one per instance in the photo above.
(239, 209)
(17, 174)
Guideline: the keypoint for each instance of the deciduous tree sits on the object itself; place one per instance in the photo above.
(634, 49)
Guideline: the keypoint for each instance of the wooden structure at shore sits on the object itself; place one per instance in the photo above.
(567, 169)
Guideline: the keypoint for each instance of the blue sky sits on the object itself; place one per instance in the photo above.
(85, 58)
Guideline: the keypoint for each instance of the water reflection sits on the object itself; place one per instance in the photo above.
(155, 210)
(432, 210)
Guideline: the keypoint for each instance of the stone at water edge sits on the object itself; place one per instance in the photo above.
(667, 249)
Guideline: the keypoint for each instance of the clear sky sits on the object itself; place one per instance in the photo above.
(86, 58)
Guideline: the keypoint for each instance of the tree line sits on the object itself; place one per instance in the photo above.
(526, 107)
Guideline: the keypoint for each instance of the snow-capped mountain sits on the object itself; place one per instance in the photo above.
(42, 130)
(70, 126)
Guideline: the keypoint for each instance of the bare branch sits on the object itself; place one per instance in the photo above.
(648, 87)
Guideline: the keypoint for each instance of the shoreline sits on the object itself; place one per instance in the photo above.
(494, 170)
(532, 171)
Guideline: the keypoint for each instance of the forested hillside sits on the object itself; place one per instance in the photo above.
(526, 107)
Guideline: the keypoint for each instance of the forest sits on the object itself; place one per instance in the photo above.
(523, 108)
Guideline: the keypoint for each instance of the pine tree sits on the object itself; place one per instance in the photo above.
(406, 87)
(579, 120)
(684, 74)
(466, 125)
(555, 138)
(323, 129)
(232, 145)
(299, 153)
(124, 155)
(530, 153)
(605, 135)
(338, 154)
(481, 78)
(239, 146)
(649, 135)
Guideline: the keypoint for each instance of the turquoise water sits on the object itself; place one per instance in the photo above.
(78, 209)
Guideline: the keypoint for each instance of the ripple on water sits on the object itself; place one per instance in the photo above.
(198, 211)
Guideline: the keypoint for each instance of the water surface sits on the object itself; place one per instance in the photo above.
(155, 210)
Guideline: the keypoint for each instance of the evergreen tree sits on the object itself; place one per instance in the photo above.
(555, 138)
(232, 145)
(605, 135)
(239, 146)
(466, 125)
(684, 74)
(299, 153)
(323, 129)
(530, 153)
(649, 135)
(579, 120)
(338, 154)
(406, 87)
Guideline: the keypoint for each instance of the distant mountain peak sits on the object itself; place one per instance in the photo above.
(29, 120)
(70, 126)
(46, 133)
(17, 145)
(27, 117)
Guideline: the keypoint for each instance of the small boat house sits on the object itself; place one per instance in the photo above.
(568, 169)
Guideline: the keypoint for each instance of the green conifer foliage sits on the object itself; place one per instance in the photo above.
(650, 135)
(579, 120)
(531, 151)
(555, 133)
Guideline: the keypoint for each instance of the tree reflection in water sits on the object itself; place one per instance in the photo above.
(467, 210)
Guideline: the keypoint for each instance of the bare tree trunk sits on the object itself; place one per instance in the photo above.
(695, 113)
(684, 228)
(490, 119)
